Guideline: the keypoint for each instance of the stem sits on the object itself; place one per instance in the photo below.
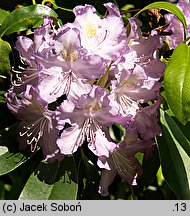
(129, 11)
(133, 194)
(82, 154)
(56, 6)
(115, 2)
(34, 2)
(66, 9)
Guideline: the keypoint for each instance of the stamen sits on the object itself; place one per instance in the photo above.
(129, 84)
(102, 37)
(88, 131)
(69, 55)
(21, 68)
(144, 60)
(122, 164)
(19, 78)
(96, 36)
(65, 81)
(91, 30)
(127, 104)
(34, 132)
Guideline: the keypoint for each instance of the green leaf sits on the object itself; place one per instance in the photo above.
(160, 177)
(117, 132)
(25, 18)
(104, 78)
(89, 179)
(177, 82)
(150, 167)
(174, 161)
(5, 49)
(54, 181)
(3, 15)
(10, 158)
(177, 133)
(2, 98)
(2, 190)
(127, 7)
(185, 129)
(10, 161)
(170, 8)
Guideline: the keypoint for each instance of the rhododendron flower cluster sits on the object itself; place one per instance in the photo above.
(102, 76)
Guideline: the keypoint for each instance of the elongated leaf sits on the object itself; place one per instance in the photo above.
(10, 161)
(2, 190)
(177, 133)
(10, 158)
(175, 165)
(53, 181)
(89, 178)
(127, 7)
(177, 82)
(168, 7)
(3, 15)
(25, 18)
(185, 129)
(5, 49)
(150, 168)
(104, 78)
(2, 98)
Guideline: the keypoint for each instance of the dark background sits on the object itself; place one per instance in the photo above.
(11, 4)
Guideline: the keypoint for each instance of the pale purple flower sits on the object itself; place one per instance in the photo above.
(142, 51)
(135, 30)
(25, 47)
(38, 124)
(146, 121)
(131, 89)
(89, 120)
(22, 77)
(137, 72)
(146, 47)
(105, 37)
(28, 75)
(175, 27)
(57, 57)
(122, 161)
(145, 124)
(176, 30)
(67, 67)
(124, 90)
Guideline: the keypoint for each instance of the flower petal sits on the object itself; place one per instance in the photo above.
(68, 143)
